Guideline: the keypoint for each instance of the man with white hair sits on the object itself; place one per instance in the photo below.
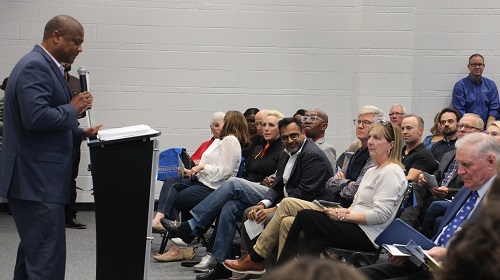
(397, 114)
(477, 155)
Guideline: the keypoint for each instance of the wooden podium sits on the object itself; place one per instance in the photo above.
(124, 174)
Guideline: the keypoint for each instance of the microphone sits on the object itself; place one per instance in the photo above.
(83, 74)
(85, 86)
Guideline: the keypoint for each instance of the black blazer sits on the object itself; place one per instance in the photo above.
(308, 177)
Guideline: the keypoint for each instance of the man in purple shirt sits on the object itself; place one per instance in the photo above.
(475, 93)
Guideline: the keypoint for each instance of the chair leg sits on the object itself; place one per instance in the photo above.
(164, 242)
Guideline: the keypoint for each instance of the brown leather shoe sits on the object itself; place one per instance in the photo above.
(245, 265)
(176, 254)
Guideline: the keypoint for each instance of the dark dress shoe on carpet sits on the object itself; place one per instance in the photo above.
(189, 263)
(181, 230)
(218, 272)
(74, 223)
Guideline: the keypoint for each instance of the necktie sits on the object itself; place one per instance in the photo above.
(459, 218)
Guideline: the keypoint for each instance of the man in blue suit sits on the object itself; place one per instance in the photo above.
(40, 132)
(477, 155)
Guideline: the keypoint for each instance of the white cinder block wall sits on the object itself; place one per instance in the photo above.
(170, 64)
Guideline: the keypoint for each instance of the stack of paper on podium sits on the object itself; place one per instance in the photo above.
(125, 132)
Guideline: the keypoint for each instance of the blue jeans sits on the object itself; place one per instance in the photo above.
(230, 199)
(179, 194)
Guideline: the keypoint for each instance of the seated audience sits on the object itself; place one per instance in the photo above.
(219, 162)
(215, 125)
(315, 123)
(298, 115)
(448, 179)
(449, 118)
(356, 144)
(436, 134)
(344, 185)
(302, 172)
(233, 197)
(252, 131)
(416, 158)
(477, 156)
(449, 184)
(374, 206)
(314, 269)
(494, 130)
(397, 114)
(475, 252)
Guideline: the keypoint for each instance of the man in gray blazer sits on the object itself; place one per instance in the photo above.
(40, 132)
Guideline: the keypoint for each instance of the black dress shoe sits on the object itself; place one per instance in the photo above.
(190, 263)
(74, 223)
(181, 230)
(218, 272)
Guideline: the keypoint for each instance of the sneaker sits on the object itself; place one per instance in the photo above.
(206, 263)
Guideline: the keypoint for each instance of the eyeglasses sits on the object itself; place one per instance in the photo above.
(357, 122)
(311, 118)
(477, 65)
(467, 127)
(384, 122)
(396, 114)
(293, 136)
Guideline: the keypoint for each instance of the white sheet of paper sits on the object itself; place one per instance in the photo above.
(253, 228)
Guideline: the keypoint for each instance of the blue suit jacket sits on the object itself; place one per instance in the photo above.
(455, 206)
(40, 132)
(308, 177)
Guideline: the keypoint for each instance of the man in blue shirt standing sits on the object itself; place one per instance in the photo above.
(475, 93)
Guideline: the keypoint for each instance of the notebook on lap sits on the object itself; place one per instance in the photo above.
(399, 232)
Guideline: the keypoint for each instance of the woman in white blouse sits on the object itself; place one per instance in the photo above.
(220, 161)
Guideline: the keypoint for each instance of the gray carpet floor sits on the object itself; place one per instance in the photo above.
(80, 262)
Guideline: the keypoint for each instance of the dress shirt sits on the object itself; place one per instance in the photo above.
(481, 193)
(480, 98)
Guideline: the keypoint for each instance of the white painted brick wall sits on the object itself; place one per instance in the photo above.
(170, 64)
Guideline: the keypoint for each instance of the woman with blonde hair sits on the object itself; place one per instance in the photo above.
(436, 134)
(373, 209)
(494, 131)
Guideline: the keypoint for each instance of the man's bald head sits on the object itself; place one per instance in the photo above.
(62, 23)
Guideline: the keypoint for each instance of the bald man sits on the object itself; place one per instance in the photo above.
(315, 123)
(41, 130)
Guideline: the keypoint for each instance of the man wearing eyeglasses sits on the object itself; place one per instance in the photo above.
(302, 172)
(397, 114)
(315, 123)
(475, 93)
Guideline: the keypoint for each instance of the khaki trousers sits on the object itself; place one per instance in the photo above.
(276, 231)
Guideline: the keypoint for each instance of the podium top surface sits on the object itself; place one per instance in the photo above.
(116, 140)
